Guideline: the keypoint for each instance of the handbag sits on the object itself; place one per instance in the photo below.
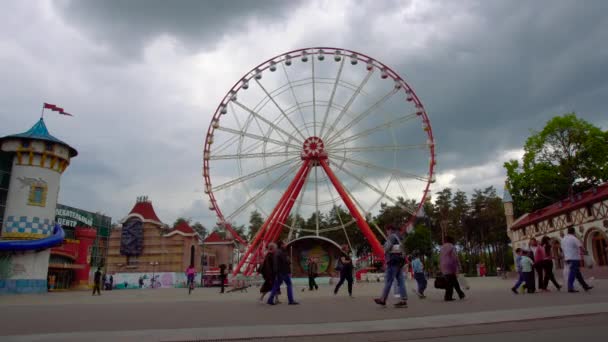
(441, 282)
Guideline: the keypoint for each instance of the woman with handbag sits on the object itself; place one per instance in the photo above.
(449, 267)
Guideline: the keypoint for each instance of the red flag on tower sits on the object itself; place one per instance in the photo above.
(55, 109)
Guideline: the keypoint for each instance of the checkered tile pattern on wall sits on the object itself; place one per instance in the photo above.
(27, 225)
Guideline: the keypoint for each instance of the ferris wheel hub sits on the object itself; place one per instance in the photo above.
(313, 149)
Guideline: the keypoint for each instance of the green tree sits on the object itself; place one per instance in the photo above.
(200, 229)
(568, 155)
(255, 223)
(419, 241)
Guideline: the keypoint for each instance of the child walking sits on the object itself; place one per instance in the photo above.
(528, 271)
(520, 279)
(419, 275)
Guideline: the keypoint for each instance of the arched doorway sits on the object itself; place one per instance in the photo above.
(599, 248)
(191, 255)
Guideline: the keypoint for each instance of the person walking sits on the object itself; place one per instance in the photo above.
(190, 275)
(521, 278)
(395, 261)
(547, 264)
(267, 271)
(527, 269)
(222, 277)
(111, 283)
(97, 278)
(141, 282)
(572, 248)
(313, 272)
(539, 257)
(282, 270)
(345, 265)
(419, 276)
(449, 267)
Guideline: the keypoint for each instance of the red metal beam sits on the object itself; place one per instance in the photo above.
(277, 225)
(263, 232)
(367, 232)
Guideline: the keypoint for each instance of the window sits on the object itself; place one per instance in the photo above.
(589, 210)
(37, 196)
(48, 146)
(25, 143)
(131, 260)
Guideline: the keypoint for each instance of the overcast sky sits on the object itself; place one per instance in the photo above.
(143, 78)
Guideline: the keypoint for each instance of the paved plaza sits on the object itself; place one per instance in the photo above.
(173, 315)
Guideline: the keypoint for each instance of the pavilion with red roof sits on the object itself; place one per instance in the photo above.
(586, 211)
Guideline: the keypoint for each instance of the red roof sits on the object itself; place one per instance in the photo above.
(184, 228)
(215, 237)
(146, 210)
(577, 201)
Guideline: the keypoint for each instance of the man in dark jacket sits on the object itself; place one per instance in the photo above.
(345, 266)
(313, 272)
(267, 270)
(97, 282)
(281, 272)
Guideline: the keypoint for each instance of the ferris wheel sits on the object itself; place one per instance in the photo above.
(309, 131)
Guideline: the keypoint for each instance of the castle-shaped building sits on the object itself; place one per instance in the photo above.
(31, 165)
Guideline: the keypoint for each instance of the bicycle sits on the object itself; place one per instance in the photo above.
(190, 285)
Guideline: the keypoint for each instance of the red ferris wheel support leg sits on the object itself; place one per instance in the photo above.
(264, 230)
(367, 232)
(285, 208)
(289, 205)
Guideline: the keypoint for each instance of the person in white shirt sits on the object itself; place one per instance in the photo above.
(572, 247)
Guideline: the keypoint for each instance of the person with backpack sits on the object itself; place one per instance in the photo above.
(395, 261)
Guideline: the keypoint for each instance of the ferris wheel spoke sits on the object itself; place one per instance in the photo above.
(362, 116)
(254, 155)
(254, 174)
(349, 103)
(331, 97)
(295, 98)
(378, 191)
(317, 200)
(314, 105)
(257, 137)
(262, 192)
(280, 109)
(266, 121)
(379, 168)
(226, 144)
(392, 123)
(380, 148)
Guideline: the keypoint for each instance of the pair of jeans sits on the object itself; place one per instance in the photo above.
(520, 280)
(529, 279)
(575, 272)
(549, 276)
(421, 281)
(393, 273)
(452, 284)
(312, 283)
(276, 286)
(345, 274)
(539, 271)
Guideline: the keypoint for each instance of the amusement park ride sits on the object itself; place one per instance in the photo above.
(324, 131)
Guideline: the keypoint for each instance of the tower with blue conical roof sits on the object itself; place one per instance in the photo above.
(38, 161)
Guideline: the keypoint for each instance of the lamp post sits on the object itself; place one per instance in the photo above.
(153, 264)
